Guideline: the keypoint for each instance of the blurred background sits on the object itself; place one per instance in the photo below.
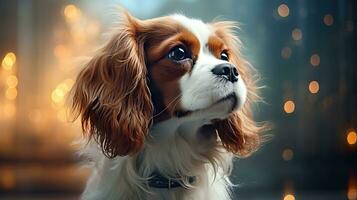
(305, 51)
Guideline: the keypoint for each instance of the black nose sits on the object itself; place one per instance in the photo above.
(227, 71)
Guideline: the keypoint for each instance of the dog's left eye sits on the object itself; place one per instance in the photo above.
(224, 56)
(178, 53)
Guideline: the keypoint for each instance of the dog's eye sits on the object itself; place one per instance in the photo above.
(178, 53)
(224, 56)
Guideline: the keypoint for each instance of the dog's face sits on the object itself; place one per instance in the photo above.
(191, 68)
(170, 67)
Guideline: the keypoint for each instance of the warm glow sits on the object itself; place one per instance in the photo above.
(62, 115)
(61, 51)
(289, 197)
(11, 81)
(7, 178)
(296, 34)
(71, 12)
(9, 110)
(352, 193)
(283, 10)
(8, 61)
(66, 85)
(287, 154)
(315, 60)
(11, 93)
(61, 90)
(35, 115)
(314, 87)
(328, 20)
(289, 106)
(57, 95)
(286, 52)
(351, 137)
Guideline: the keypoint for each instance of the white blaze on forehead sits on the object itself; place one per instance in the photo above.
(201, 89)
(201, 30)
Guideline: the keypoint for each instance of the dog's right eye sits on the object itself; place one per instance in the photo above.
(178, 53)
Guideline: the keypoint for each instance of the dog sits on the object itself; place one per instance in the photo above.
(165, 106)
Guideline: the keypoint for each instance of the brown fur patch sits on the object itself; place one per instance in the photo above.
(165, 73)
(216, 46)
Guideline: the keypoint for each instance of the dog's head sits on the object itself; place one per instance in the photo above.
(169, 67)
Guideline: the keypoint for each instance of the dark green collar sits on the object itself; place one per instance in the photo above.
(159, 181)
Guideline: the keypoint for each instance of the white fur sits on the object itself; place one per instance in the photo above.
(202, 88)
(176, 146)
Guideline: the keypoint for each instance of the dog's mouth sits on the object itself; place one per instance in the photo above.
(232, 97)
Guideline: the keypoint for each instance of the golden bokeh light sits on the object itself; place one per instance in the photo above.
(315, 60)
(328, 20)
(296, 34)
(12, 81)
(11, 93)
(283, 10)
(9, 110)
(289, 197)
(314, 87)
(57, 95)
(71, 12)
(287, 154)
(289, 106)
(66, 85)
(8, 61)
(61, 90)
(351, 137)
(286, 52)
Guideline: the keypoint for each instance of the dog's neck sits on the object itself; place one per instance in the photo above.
(179, 147)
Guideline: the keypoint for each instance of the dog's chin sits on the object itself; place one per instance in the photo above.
(218, 110)
(224, 107)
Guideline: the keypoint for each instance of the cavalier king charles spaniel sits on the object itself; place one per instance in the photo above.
(165, 105)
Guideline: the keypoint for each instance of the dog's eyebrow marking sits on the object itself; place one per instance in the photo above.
(215, 45)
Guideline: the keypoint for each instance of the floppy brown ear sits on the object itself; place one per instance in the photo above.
(111, 93)
(240, 134)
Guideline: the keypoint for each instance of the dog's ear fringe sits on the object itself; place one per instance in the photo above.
(111, 94)
(240, 133)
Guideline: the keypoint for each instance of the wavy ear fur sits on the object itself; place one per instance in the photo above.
(111, 93)
(239, 134)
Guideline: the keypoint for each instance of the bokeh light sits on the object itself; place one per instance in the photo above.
(71, 12)
(11, 93)
(289, 197)
(9, 110)
(314, 87)
(286, 52)
(351, 137)
(315, 60)
(12, 81)
(287, 154)
(8, 61)
(296, 34)
(283, 10)
(328, 20)
(289, 106)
